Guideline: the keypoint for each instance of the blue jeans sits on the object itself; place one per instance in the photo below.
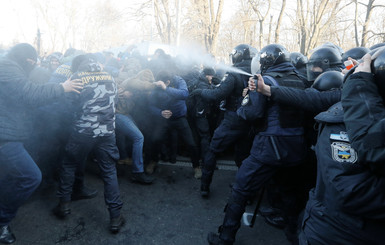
(106, 153)
(126, 128)
(19, 178)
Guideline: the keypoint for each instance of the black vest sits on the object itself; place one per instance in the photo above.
(289, 117)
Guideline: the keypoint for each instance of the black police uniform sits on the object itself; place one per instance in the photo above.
(232, 129)
(278, 145)
(347, 206)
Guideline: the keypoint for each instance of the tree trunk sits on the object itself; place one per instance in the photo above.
(279, 21)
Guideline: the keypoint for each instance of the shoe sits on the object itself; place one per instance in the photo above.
(273, 218)
(142, 178)
(6, 235)
(213, 239)
(62, 210)
(116, 224)
(83, 193)
(125, 161)
(197, 173)
(205, 191)
(151, 167)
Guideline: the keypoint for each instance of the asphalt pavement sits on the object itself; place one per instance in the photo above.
(168, 212)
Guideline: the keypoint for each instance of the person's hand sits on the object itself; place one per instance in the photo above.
(126, 94)
(365, 65)
(166, 114)
(252, 86)
(196, 92)
(244, 92)
(160, 84)
(262, 87)
(355, 62)
(74, 85)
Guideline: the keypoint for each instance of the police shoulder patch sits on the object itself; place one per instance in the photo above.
(343, 152)
(245, 100)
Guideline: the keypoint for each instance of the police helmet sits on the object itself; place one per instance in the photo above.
(377, 46)
(298, 59)
(273, 54)
(322, 60)
(355, 53)
(378, 69)
(328, 80)
(240, 53)
(332, 45)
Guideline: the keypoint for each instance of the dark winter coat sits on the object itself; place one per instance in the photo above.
(173, 99)
(17, 97)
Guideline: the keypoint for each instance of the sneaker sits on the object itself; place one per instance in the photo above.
(116, 224)
(62, 210)
(213, 239)
(83, 193)
(197, 173)
(205, 191)
(6, 235)
(142, 178)
(151, 167)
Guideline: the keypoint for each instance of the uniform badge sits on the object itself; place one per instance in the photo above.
(343, 152)
(245, 100)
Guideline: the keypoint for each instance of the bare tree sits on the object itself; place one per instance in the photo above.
(210, 20)
(276, 40)
(314, 19)
(257, 6)
(163, 20)
(365, 29)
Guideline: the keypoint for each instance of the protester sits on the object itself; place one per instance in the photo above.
(19, 175)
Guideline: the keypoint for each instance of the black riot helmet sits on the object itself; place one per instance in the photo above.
(240, 53)
(273, 54)
(328, 80)
(378, 45)
(298, 59)
(321, 60)
(332, 45)
(378, 69)
(355, 53)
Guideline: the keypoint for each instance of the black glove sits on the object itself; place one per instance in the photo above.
(196, 92)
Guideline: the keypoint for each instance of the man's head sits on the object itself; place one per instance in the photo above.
(240, 53)
(328, 80)
(355, 53)
(25, 55)
(378, 69)
(321, 60)
(273, 54)
(298, 60)
(209, 73)
(165, 77)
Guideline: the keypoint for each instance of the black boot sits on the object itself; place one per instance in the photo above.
(62, 210)
(205, 191)
(83, 192)
(6, 235)
(213, 239)
(205, 183)
(142, 178)
(116, 224)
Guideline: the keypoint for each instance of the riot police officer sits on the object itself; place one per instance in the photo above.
(232, 129)
(321, 60)
(346, 206)
(278, 144)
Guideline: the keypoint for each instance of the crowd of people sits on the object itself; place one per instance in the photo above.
(306, 132)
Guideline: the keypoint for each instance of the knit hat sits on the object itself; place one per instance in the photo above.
(208, 71)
